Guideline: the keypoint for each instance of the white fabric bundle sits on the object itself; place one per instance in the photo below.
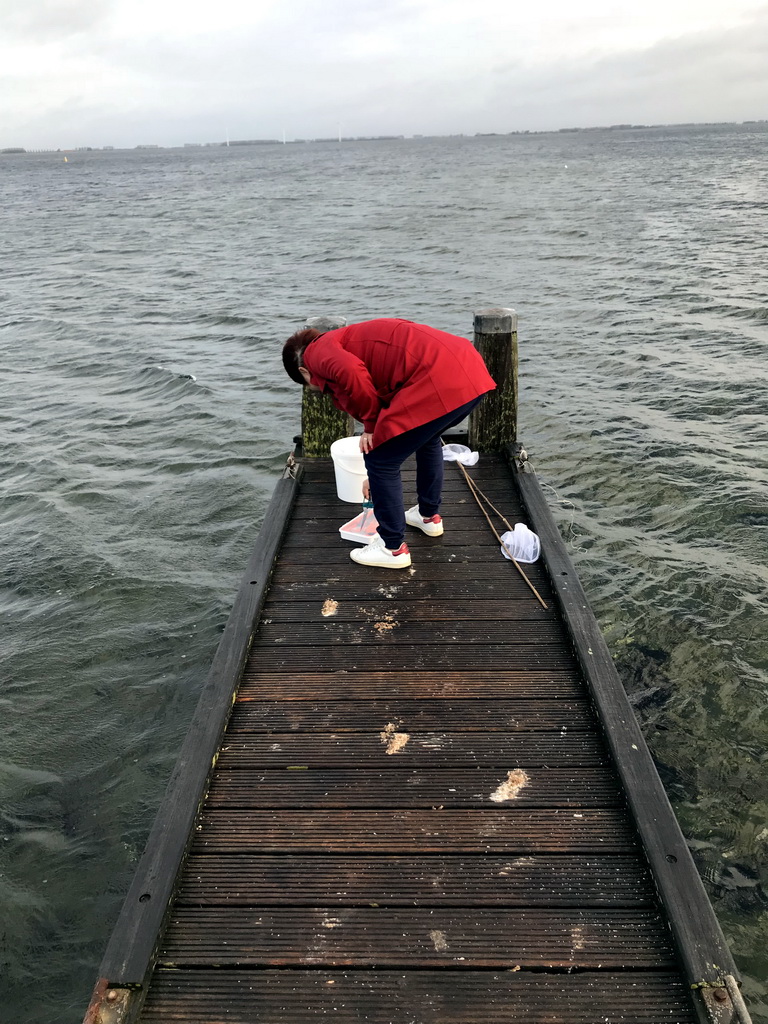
(521, 544)
(459, 453)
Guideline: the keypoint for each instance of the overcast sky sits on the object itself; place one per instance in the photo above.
(128, 72)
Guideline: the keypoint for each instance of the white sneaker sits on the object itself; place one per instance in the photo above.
(376, 553)
(433, 527)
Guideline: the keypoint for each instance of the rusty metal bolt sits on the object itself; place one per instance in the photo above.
(720, 994)
(111, 996)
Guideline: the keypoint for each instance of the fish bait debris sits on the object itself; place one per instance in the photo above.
(386, 624)
(395, 741)
(510, 789)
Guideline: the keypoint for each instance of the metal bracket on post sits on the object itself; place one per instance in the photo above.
(111, 1005)
(722, 1004)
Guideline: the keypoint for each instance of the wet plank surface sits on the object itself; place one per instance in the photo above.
(418, 880)
(458, 715)
(396, 749)
(418, 937)
(413, 778)
(422, 997)
(507, 830)
(360, 787)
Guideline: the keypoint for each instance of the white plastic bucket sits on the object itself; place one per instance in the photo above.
(349, 467)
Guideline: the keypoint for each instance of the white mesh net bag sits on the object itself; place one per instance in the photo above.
(521, 544)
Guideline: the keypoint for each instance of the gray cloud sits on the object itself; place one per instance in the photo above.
(377, 68)
(44, 20)
(706, 76)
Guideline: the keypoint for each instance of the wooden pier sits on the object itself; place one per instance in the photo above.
(415, 797)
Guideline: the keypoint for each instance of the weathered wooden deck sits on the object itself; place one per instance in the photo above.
(433, 805)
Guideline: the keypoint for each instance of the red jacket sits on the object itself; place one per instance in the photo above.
(394, 375)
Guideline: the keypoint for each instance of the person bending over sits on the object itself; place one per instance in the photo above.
(406, 383)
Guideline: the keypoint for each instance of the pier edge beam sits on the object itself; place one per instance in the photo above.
(321, 422)
(493, 424)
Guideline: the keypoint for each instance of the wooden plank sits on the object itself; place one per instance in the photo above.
(392, 629)
(461, 517)
(440, 551)
(487, 474)
(475, 714)
(128, 956)
(462, 522)
(457, 880)
(398, 587)
(554, 657)
(447, 573)
(459, 513)
(510, 831)
(292, 608)
(499, 490)
(457, 500)
(381, 748)
(305, 788)
(319, 472)
(426, 997)
(415, 938)
(262, 683)
(703, 949)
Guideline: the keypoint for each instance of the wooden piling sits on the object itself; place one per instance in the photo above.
(494, 423)
(321, 422)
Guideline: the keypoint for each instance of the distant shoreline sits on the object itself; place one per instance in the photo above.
(231, 143)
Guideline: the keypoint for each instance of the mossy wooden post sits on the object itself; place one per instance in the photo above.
(321, 421)
(494, 423)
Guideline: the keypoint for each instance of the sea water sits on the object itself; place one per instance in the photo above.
(145, 416)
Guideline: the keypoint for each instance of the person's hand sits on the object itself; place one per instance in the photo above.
(366, 443)
(366, 490)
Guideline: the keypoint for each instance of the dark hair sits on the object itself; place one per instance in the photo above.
(293, 351)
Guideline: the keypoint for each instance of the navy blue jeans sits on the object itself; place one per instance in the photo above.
(383, 466)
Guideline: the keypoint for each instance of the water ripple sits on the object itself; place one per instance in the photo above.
(145, 416)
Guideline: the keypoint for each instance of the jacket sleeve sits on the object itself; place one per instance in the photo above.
(348, 381)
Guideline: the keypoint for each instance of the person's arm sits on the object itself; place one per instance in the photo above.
(349, 380)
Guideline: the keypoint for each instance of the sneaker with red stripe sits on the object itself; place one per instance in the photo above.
(433, 526)
(376, 553)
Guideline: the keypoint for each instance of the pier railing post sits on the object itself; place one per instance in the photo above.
(321, 421)
(494, 423)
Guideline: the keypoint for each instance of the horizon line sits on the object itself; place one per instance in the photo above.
(229, 143)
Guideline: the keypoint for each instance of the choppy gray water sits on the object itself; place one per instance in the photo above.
(145, 416)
